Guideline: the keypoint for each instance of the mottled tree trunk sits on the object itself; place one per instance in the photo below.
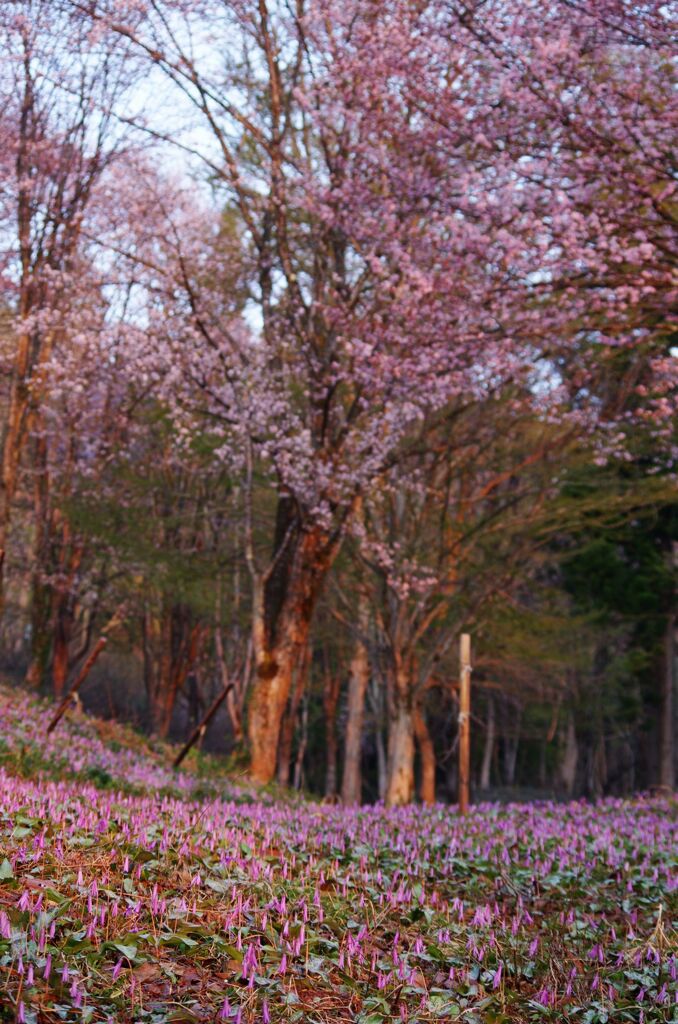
(283, 611)
(427, 758)
(400, 785)
(290, 720)
(351, 783)
(14, 434)
(268, 699)
(488, 750)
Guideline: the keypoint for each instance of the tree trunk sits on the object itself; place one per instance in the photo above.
(486, 769)
(511, 744)
(60, 649)
(13, 439)
(400, 785)
(283, 610)
(171, 647)
(331, 692)
(382, 763)
(568, 765)
(351, 783)
(598, 766)
(667, 768)
(232, 703)
(301, 748)
(41, 634)
(291, 718)
(427, 756)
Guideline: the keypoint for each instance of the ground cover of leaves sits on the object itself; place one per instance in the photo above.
(141, 903)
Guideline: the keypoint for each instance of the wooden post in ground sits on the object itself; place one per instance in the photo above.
(464, 722)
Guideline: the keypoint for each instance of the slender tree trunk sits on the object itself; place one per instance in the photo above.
(152, 639)
(64, 605)
(331, 691)
(194, 700)
(568, 765)
(511, 744)
(13, 438)
(427, 756)
(667, 765)
(60, 650)
(598, 766)
(542, 763)
(301, 748)
(232, 703)
(382, 763)
(351, 783)
(171, 647)
(41, 634)
(400, 786)
(486, 769)
(291, 718)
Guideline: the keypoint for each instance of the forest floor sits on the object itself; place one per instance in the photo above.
(132, 893)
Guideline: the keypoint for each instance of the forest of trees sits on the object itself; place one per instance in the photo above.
(330, 331)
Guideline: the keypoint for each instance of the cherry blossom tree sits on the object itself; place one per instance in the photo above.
(434, 201)
(59, 92)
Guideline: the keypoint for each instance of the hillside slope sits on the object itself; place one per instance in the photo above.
(132, 901)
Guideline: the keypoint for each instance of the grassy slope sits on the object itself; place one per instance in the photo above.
(132, 893)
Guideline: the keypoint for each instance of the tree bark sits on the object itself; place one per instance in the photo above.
(351, 783)
(41, 634)
(400, 785)
(60, 649)
(331, 692)
(427, 756)
(486, 769)
(14, 434)
(511, 744)
(568, 765)
(284, 604)
(291, 718)
(172, 644)
(298, 780)
(382, 762)
(229, 685)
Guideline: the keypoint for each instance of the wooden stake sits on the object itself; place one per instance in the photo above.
(201, 729)
(464, 722)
